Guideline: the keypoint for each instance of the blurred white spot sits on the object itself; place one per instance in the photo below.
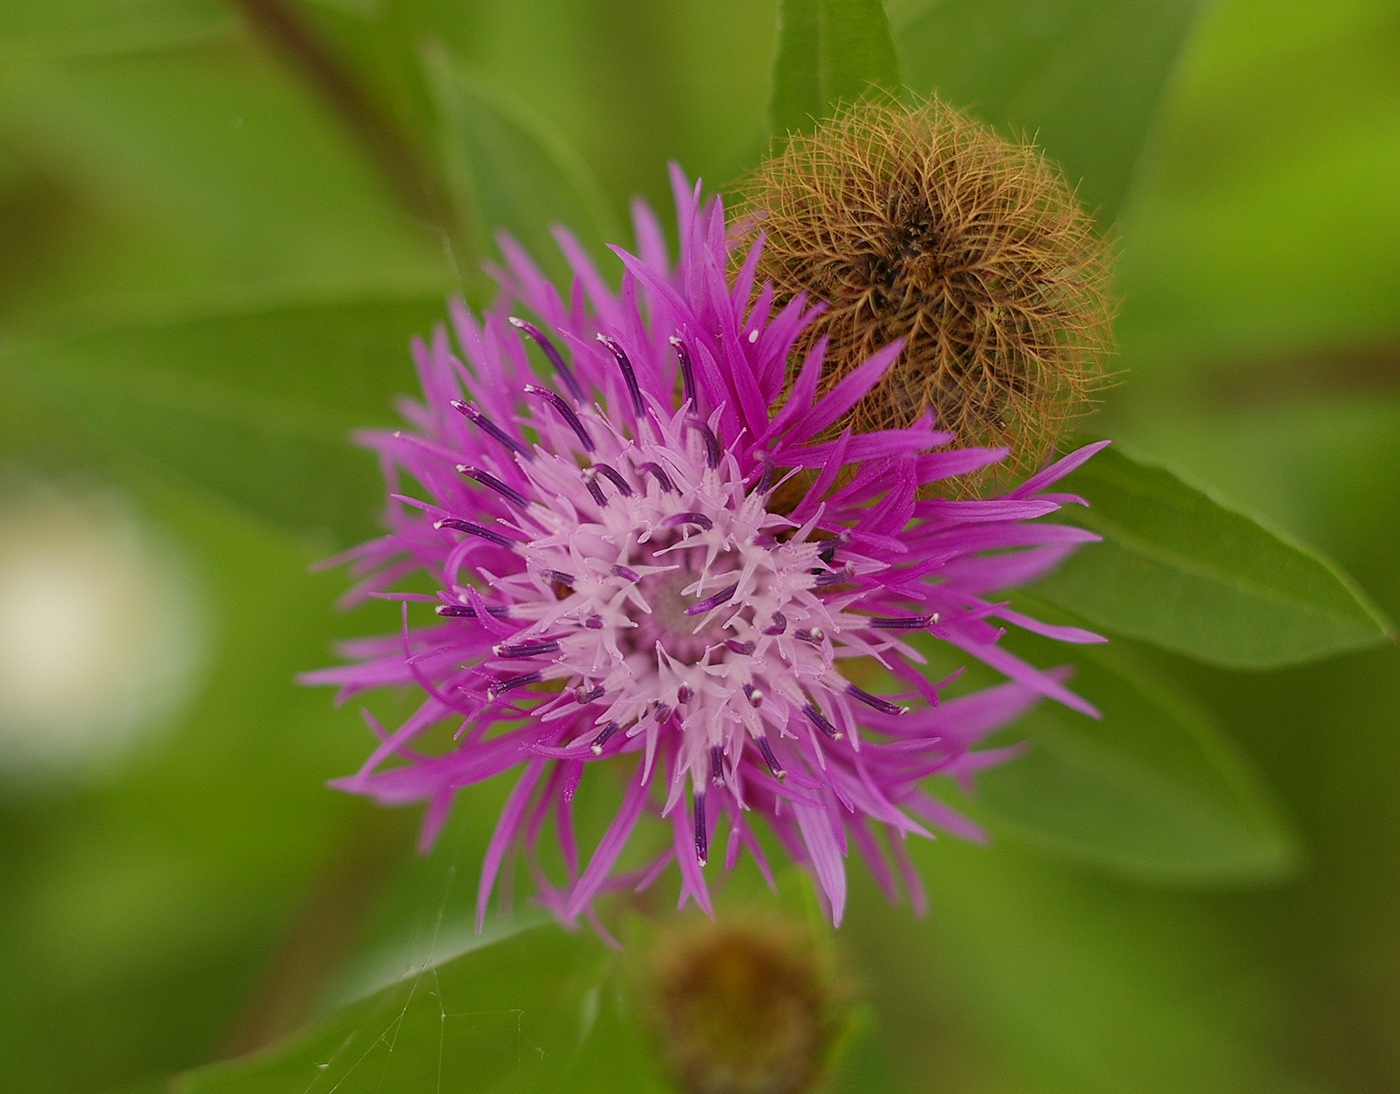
(99, 635)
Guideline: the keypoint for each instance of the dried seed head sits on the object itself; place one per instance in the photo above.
(744, 1007)
(924, 225)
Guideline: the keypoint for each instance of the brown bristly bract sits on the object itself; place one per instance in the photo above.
(925, 225)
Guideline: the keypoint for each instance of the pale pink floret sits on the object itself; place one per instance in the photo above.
(611, 579)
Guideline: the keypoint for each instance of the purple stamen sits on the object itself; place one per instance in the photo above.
(754, 695)
(688, 518)
(819, 720)
(590, 480)
(828, 552)
(716, 764)
(611, 474)
(882, 705)
(465, 611)
(765, 478)
(565, 411)
(778, 625)
(713, 601)
(684, 694)
(570, 382)
(629, 375)
(584, 697)
(711, 443)
(627, 573)
(474, 530)
(662, 479)
(602, 738)
(814, 635)
(687, 373)
(491, 429)
(771, 760)
(906, 623)
(490, 481)
(525, 649)
(510, 683)
(662, 713)
(594, 622)
(559, 577)
(702, 836)
(833, 577)
(741, 648)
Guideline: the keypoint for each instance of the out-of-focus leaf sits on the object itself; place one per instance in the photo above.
(534, 1011)
(1083, 78)
(828, 51)
(511, 170)
(257, 407)
(1185, 570)
(1154, 790)
(68, 28)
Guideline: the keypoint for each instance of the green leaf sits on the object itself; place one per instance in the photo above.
(32, 29)
(1153, 790)
(1185, 570)
(828, 51)
(534, 1011)
(256, 406)
(1084, 78)
(511, 169)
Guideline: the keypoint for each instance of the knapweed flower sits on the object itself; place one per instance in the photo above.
(617, 593)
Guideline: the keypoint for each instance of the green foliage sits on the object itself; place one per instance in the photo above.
(31, 29)
(1084, 79)
(1184, 570)
(1154, 790)
(243, 405)
(828, 51)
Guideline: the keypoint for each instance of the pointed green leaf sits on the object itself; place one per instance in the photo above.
(1083, 78)
(828, 51)
(1185, 570)
(256, 406)
(1154, 789)
(533, 1011)
(511, 169)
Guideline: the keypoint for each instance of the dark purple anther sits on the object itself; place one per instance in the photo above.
(629, 375)
(490, 481)
(754, 695)
(765, 478)
(828, 551)
(465, 611)
(594, 622)
(771, 760)
(570, 382)
(814, 635)
(510, 683)
(906, 623)
(565, 411)
(525, 649)
(687, 373)
(711, 443)
(833, 577)
(662, 713)
(684, 694)
(676, 519)
(591, 481)
(713, 601)
(702, 835)
(741, 648)
(778, 625)
(611, 474)
(492, 430)
(716, 764)
(602, 738)
(474, 530)
(626, 573)
(559, 577)
(883, 706)
(584, 696)
(819, 720)
(662, 479)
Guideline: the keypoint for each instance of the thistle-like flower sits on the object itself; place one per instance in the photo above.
(618, 594)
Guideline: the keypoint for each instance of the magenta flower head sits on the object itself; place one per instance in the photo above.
(620, 594)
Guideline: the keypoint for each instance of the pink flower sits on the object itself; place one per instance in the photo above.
(617, 588)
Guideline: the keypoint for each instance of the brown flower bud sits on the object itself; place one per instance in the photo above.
(924, 225)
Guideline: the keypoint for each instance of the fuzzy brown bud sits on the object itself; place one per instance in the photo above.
(744, 1007)
(925, 225)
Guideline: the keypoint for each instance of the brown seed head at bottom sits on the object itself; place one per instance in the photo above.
(924, 225)
(744, 1008)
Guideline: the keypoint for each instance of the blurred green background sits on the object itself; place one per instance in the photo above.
(220, 223)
